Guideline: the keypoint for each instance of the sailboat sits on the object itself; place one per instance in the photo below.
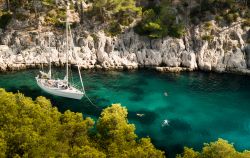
(61, 87)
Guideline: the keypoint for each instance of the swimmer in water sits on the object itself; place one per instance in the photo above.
(140, 115)
(166, 94)
(165, 123)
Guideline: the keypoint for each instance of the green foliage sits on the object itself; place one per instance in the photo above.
(48, 2)
(87, 152)
(114, 29)
(56, 17)
(246, 23)
(208, 25)
(231, 17)
(154, 29)
(158, 22)
(21, 17)
(3, 145)
(229, 10)
(118, 138)
(207, 37)
(122, 12)
(177, 30)
(14, 4)
(145, 149)
(5, 19)
(151, 26)
(218, 18)
(36, 129)
(220, 148)
(188, 153)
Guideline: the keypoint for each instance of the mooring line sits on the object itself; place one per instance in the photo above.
(91, 101)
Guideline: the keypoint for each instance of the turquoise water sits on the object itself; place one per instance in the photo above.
(201, 107)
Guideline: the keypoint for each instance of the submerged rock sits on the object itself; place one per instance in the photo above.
(172, 69)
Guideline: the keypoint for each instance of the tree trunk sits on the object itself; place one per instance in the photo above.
(200, 5)
(81, 13)
(8, 4)
(189, 11)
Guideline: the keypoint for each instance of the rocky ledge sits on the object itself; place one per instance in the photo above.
(226, 51)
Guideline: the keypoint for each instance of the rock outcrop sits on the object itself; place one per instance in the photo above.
(226, 52)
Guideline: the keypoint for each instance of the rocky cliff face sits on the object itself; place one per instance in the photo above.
(226, 51)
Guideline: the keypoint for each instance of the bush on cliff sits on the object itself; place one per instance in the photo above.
(37, 129)
(159, 20)
(5, 19)
(122, 12)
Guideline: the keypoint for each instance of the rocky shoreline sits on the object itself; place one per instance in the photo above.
(227, 51)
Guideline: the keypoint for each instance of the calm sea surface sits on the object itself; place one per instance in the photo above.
(200, 107)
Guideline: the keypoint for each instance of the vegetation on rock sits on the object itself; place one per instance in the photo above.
(151, 18)
(116, 14)
(159, 20)
(5, 18)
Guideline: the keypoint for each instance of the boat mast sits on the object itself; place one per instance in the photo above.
(49, 59)
(73, 47)
(67, 47)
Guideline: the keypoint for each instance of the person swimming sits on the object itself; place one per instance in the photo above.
(140, 115)
(165, 123)
(166, 94)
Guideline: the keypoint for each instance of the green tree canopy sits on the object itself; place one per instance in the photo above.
(218, 149)
(37, 129)
(118, 137)
(116, 12)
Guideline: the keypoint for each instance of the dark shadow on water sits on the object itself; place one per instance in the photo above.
(205, 133)
(136, 98)
(214, 82)
(167, 109)
(26, 90)
(141, 82)
(138, 93)
(169, 77)
(144, 134)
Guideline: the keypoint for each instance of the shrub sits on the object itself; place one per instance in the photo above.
(124, 18)
(152, 28)
(218, 18)
(21, 17)
(113, 29)
(177, 30)
(208, 25)
(207, 37)
(220, 148)
(4, 20)
(48, 2)
(151, 25)
(95, 38)
(232, 17)
(122, 12)
(248, 13)
(246, 23)
(56, 17)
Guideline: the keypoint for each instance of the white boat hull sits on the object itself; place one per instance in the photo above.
(67, 93)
